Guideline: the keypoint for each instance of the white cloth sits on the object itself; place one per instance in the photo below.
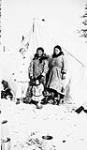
(38, 92)
(21, 76)
(22, 69)
(21, 89)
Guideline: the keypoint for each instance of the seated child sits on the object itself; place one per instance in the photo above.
(6, 92)
(37, 93)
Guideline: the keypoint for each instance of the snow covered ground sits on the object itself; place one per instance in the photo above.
(26, 125)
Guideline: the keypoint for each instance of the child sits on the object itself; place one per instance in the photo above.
(37, 93)
(6, 92)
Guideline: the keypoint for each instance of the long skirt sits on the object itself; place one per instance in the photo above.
(55, 81)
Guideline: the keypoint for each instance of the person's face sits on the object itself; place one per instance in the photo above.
(39, 53)
(56, 51)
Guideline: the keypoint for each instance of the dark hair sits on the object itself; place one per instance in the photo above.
(36, 54)
(60, 53)
(40, 48)
(5, 84)
(57, 46)
(43, 57)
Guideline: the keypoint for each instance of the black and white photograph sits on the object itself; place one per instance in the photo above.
(43, 74)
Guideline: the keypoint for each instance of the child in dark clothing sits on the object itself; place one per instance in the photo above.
(6, 91)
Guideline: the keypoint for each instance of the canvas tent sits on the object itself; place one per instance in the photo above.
(38, 36)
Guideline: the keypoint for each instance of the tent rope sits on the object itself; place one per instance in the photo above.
(35, 36)
(74, 57)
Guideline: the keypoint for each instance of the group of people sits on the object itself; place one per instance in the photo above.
(47, 76)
